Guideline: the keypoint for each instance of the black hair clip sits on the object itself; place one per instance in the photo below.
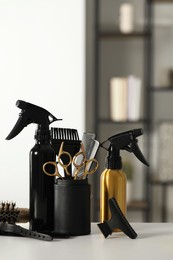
(117, 220)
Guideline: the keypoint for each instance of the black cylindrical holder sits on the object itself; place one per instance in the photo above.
(72, 207)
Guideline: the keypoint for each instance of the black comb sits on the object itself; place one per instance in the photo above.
(118, 220)
(64, 134)
(71, 145)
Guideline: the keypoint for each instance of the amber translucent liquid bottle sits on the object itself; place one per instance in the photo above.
(112, 184)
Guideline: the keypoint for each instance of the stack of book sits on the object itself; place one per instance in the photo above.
(165, 148)
(125, 98)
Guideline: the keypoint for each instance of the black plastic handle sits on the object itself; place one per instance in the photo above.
(18, 230)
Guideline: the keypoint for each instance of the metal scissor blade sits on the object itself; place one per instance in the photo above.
(92, 154)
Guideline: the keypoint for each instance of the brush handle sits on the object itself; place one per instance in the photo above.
(23, 216)
(6, 228)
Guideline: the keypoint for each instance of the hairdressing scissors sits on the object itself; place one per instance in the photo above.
(59, 162)
(83, 165)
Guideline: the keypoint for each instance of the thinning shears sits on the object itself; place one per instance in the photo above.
(82, 165)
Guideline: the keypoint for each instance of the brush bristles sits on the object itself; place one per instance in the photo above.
(8, 212)
(64, 134)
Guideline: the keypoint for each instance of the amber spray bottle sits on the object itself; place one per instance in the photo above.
(113, 178)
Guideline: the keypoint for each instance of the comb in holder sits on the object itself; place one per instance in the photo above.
(71, 141)
(117, 220)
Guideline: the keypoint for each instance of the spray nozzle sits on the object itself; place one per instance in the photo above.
(125, 141)
(31, 114)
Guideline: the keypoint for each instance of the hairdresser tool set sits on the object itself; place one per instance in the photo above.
(59, 193)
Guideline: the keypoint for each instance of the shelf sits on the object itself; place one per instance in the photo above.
(112, 34)
(109, 121)
(159, 182)
(137, 205)
(163, 1)
(162, 88)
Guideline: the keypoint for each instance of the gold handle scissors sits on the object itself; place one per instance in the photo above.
(55, 164)
(83, 165)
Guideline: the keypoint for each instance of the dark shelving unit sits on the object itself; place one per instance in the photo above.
(101, 121)
(109, 35)
(156, 89)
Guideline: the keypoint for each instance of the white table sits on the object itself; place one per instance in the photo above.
(154, 241)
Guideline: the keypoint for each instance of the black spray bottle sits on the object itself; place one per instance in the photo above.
(113, 178)
(41, 185)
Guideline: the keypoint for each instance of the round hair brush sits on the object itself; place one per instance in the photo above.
(10, 214)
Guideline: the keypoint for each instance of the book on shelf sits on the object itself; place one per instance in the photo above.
(118, 97)
(165, 148)
(134, 86)
(125, 98)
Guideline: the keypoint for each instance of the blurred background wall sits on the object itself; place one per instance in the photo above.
(42, 61)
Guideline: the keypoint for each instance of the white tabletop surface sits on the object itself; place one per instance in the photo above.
(154, 241)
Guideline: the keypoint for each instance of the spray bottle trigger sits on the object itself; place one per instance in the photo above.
(20, 124)
(134, 148)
